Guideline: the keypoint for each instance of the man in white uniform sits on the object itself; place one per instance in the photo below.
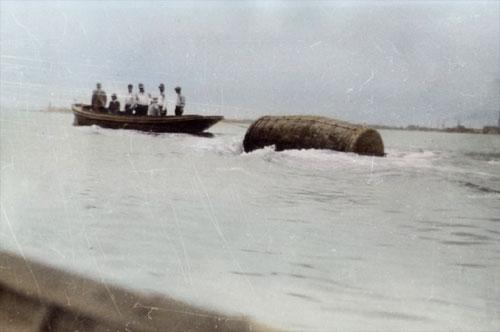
(129, 101)
(142, 101)
(162, 102)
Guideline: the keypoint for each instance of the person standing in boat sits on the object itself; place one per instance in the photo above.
(114, 105)
(129, 101)
(142, 101)
(99, 99)
(154, 107)
(181, 102)
(162, 103)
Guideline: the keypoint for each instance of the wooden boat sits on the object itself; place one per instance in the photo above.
(85, 116)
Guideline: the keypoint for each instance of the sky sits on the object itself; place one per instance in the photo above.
(379, 62)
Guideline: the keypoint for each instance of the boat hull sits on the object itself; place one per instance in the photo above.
(84, 116)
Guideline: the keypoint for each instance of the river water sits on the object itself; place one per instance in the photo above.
(304, 240)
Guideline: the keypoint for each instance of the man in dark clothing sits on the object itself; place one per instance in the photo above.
(114, 105)
(99, 99)
(142, 100)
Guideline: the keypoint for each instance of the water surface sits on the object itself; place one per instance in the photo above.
(306, 240)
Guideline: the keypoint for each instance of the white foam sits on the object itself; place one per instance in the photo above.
(219, 145)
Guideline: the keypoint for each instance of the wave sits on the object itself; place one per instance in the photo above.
(327, 160)
(484, 156)
(92, 130)
(227, 141)
(218, 144)
(480, 188)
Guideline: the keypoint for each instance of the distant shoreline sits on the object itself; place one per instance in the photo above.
(458, 129)
(53, 109)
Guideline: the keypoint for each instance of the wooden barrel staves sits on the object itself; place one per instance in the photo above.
(312, 132)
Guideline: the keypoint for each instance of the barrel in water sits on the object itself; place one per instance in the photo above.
(312, 132)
